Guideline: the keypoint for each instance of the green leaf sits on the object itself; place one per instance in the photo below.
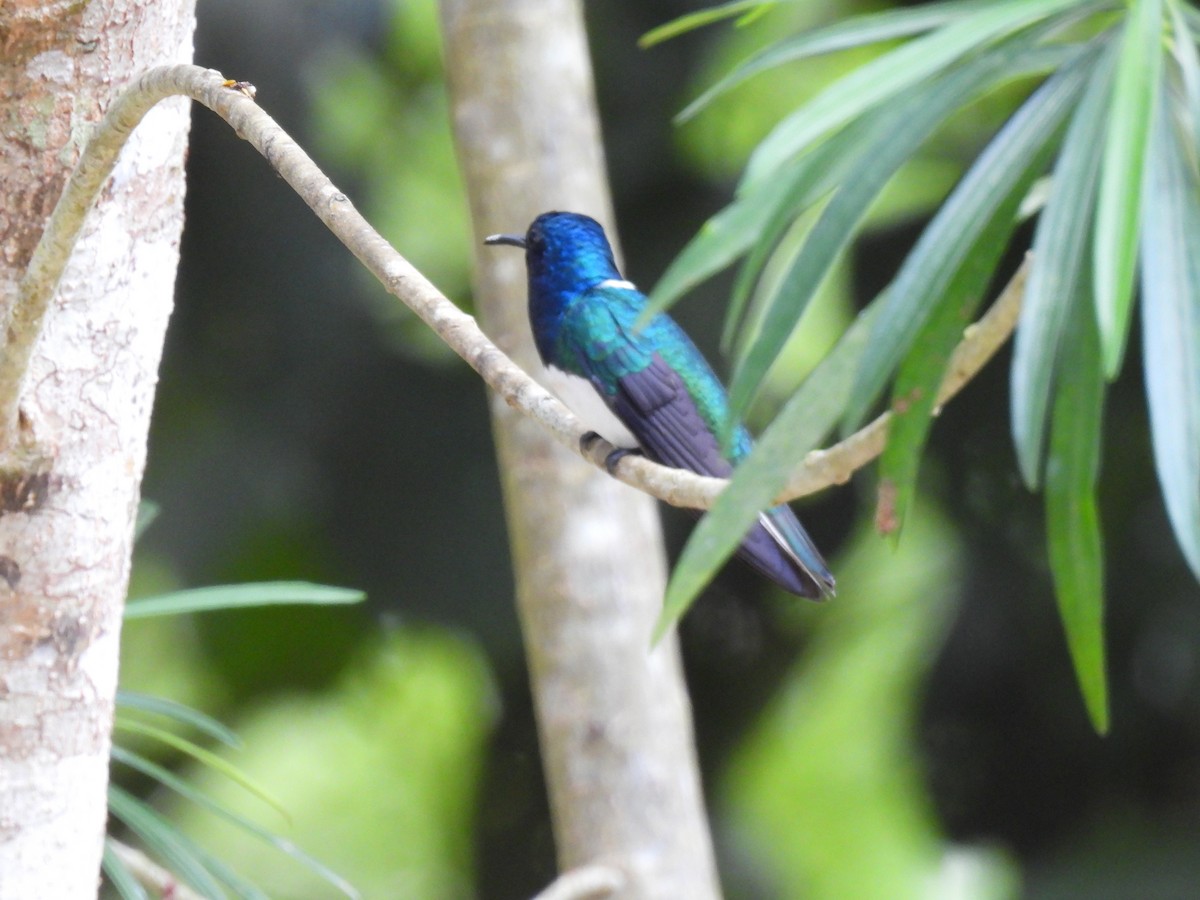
(892, 75)
(119, 876)
(921, 374)
(175, 846)
(1115, 240)
(720, 241)
(1171, 327)
(929, 269)
(240, 596)
(699, 19)
(165, 841)
(810, 181)
(1072, 522)
(1183, 49)
(854, 32)
(1056, 269)
(732, 231)
(804, 420)
(893, 137)
(181, 787)
(198, 753)
(177, 712)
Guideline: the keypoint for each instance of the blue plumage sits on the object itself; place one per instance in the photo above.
(583, 317)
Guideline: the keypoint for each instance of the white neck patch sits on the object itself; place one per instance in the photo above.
(617, 283)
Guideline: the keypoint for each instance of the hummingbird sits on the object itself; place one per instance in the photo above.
(584, 317)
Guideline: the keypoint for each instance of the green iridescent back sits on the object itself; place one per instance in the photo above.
(597, 340)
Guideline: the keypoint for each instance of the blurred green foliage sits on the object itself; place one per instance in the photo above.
(384, 118)
(378, 775)
(826, 795)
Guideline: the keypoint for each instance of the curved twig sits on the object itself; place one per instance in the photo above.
(233, 102)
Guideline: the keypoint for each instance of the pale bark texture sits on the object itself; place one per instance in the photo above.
(613, 714)
(70, 473)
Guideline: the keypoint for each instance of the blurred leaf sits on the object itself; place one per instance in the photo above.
(699, 19)
(809, 184)
(826, 798)
(891, 75)
(1072, 523)
(399, 739)
(806, 418)
(853, 32)
(169, 779)
(240, 596)
(760, 276)
(164, 841)
(927, 273)
(1171, 327)
(1136, 83)
(119, 876)
(1055, 271)
(198, 753)
(894, 134)
(177, 712)
(732, 231)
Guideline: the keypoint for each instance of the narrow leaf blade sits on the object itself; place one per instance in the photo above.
(181, 787)
(923, 370)
(1055, 274)
(1115, 239)
(178, 712)
(801, 188)
(241, 596)
(208, 758)
(891, 138)
(891, 75)
(1072, 521)
(698, 19)
(1171, 328)
(119, 876)
(856, 32)
(164, 840)
(931, 265)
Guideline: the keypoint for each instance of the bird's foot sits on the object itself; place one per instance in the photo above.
(610, 462)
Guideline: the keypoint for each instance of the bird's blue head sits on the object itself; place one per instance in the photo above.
(565, 254)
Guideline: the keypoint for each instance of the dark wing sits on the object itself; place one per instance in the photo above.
(655, 405)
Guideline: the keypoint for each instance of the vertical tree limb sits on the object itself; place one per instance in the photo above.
(69, 479)
(613, 715)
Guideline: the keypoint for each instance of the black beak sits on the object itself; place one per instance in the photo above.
(513, 240)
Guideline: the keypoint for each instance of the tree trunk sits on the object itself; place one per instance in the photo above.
(70, 474)
(613, 715)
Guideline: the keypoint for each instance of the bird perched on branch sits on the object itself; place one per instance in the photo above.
(583, 315)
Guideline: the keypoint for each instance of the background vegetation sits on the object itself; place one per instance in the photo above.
(924, 726)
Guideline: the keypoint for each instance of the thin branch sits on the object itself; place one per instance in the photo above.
(150, 874)
(233, 102)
